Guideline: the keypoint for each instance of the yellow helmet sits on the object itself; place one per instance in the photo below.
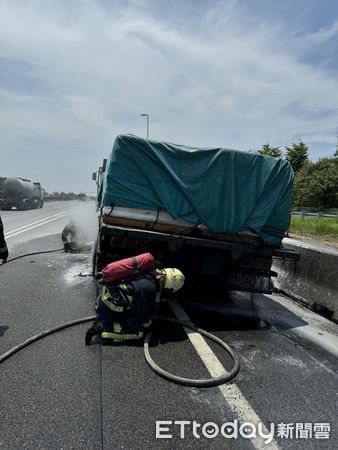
(174, 279)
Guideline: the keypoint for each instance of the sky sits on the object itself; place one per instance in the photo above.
(210, 73)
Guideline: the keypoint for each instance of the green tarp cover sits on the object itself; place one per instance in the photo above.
(229, 190)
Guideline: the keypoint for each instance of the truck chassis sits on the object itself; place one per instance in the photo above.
(235, 266)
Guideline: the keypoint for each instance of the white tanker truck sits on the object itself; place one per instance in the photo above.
(22, 194)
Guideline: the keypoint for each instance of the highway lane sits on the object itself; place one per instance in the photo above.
(16, 218)
(58, 393)
(23, 226)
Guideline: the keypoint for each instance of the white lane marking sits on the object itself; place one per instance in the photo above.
(231, 393)
(33, 223)
(34, 226)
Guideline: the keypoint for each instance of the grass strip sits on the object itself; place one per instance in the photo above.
(318, 228)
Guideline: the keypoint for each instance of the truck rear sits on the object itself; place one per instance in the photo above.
(219, 215)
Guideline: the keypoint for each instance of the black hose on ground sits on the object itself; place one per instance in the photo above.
(31, 254)
(187, 381)
(35, 338)
(163, 373)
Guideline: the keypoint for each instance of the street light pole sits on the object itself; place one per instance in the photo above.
(147, 116)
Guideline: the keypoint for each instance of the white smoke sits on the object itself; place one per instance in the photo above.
(84, 218)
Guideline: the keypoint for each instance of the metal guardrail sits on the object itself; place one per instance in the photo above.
(313, 214)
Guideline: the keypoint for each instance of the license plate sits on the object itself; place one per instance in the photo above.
(250, 282)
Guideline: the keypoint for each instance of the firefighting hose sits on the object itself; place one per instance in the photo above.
(31, 254)
(208, 382)
(226, 377)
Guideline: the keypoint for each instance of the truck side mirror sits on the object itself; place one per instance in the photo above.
(94, 176)
(104, 165)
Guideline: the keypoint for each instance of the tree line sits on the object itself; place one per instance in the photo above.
(316, 184)
(65, 196)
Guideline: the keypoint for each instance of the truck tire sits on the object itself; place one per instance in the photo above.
(21, 206)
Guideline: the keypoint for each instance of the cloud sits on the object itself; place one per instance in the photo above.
(322, 36)
(81, 72)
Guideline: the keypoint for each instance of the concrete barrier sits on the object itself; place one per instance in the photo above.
(314, 279)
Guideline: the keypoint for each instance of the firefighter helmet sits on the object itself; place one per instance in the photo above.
(174, 279)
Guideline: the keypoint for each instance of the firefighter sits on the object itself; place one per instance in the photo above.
(3, 246)
(125, 310)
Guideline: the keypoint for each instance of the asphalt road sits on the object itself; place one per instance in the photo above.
(58, 393)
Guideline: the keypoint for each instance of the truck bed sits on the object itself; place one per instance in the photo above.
(164, 222)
